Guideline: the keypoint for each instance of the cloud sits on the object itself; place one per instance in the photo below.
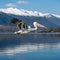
(22, 2)
(10, 5)
(16, 3)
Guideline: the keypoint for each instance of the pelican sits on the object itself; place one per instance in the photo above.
(24, 28)
(36, 25)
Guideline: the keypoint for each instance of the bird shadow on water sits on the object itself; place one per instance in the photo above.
(13, 40)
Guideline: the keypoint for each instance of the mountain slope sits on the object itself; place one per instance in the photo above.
(5, 18)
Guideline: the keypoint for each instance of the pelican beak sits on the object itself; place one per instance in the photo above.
(40, 25)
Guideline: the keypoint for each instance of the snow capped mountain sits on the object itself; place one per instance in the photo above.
(23, 12)
(26, 12)
(46, 19)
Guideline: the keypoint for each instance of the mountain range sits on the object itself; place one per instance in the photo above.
(46, 19)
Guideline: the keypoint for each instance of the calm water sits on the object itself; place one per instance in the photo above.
(32, 46)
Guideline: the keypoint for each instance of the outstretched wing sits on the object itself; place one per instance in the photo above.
(21, 24)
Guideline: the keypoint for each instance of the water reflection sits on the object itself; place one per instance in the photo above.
(11, 43)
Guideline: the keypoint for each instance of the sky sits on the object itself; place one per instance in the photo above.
(44, 6)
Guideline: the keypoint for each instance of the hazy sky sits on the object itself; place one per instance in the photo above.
(45, 6)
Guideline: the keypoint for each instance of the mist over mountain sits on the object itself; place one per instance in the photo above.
(46, 19)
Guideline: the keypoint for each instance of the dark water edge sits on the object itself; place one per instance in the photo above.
(32, 46)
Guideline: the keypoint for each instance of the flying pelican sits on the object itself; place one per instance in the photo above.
(24, 28)
(36, 25)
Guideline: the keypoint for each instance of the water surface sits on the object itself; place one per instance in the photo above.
(32, 46)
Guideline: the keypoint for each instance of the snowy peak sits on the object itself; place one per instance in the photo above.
(23, 12)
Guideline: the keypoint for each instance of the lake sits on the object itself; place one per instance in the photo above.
(32, 46)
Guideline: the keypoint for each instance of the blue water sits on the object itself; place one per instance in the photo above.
(32, 46)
